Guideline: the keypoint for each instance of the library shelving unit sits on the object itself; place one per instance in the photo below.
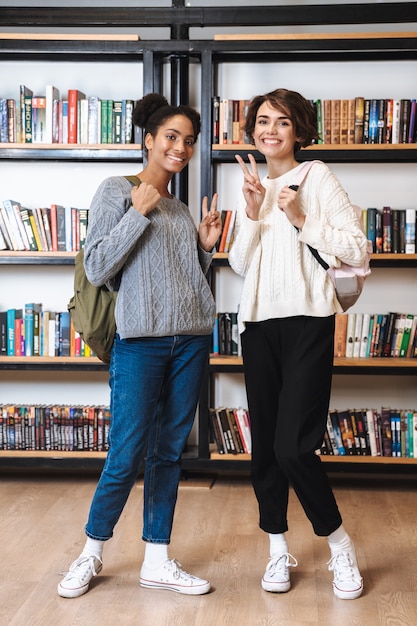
(177, 51)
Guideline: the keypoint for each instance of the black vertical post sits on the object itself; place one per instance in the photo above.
(179, 94)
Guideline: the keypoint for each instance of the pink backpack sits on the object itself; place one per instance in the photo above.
(348, 280)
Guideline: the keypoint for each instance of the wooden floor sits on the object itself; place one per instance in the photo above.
(216, 536)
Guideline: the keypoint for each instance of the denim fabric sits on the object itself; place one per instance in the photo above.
(155, 385)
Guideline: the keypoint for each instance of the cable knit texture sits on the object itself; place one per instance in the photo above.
(282, 278)
(163, 290)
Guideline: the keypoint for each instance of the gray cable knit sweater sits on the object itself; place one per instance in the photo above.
(163, 290)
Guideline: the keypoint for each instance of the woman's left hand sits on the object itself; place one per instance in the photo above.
(289, 204)
(210, 226)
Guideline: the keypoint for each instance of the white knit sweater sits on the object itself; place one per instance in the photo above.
(282, 278)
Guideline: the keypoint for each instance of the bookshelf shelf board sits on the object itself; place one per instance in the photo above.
(354, 459)
(53, 454)
(10, 257)
(332, 153)
(56, 363)
(234, 364)
(71, 152)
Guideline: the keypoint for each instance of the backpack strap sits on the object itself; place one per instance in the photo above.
(298, 180)
(134, 180)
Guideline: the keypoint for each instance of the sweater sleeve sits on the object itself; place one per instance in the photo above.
(114, 227)
(335, 228)
(246, 239)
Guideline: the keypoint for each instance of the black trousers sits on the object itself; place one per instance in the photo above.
(288, 372)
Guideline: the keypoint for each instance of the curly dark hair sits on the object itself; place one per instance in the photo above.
(153, 110)
(300, 110)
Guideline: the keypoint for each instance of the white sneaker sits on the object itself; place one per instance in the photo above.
(277, 575)
(171, 576)
(78, 578)
(347, 581)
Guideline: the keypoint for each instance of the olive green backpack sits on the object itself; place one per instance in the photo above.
(92, 308)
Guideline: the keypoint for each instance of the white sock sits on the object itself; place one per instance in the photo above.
(339, 541)
(155, 554)
(277, 544)
(93, 547)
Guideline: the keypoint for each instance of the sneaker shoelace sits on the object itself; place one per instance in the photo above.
(279, 564)
(82, 568)
(344, 567)
(175, 567)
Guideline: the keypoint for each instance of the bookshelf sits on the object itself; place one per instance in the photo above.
(152, 55)
(302, 53)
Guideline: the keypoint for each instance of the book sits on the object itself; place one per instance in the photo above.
(387, 229)
(22, 230)
(370, 425)
(227, 433)
(340, 334)
(24, 91)
(408, 323)
(12, 224)
(337, 433)
(39, 119)
(350, 334)
(216, 431)
(127, 120)
(410, 231)
(386, 434)
(243, 421)
(370, 229)
(235, 431)
(94, 120)
(357, 335)
(226, 223)
(24, 214)
(74, 96)
(365, 335)
(346, 432)
(51, 114)
(215, 107)
(405, 107)
(359, 119)
(117, 122)
(29, 319)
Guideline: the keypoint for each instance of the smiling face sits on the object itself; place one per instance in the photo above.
(173, 145)
(274, 132)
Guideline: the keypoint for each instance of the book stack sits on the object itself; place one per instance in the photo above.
(369, 432)
(54, 427)
(49, 229)
(226, 338)
(365, 335)
(356, 120)
(30, 331)
(77, 119)
(230, 430)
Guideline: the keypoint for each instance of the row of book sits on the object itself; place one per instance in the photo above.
(30, 331)
(228, 217)
(391, 230)
(76, 119)
(367, 335)
(356, 120)
(50, 229)
(230, 430)
(370, 432)
(226, 338)
(54, 427)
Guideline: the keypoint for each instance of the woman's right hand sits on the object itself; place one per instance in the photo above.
(145, 198)
(253, 190)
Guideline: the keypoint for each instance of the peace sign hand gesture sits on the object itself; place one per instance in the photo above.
(253, 190)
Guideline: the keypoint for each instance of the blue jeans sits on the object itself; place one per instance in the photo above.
(155, 385)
